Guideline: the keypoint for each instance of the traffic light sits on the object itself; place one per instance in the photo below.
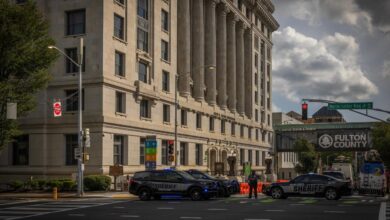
(171, 149)
(304, 111)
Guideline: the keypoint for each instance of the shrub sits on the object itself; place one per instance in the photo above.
(68, 185)
(54, 183)
(16, 185)
(97, 182)
(42, 184)
(31, 185)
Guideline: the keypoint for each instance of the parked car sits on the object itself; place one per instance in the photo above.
(147, 184)
(310, 185)
(225, 188)
(339, 175)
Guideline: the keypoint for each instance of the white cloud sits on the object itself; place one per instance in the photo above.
(275, 108)
(305, 67)
(386, 69)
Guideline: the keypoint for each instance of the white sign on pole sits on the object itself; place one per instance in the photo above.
(57, 110)
(77, 153)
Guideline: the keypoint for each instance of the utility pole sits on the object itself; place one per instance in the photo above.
(176, 108)
(80, 164)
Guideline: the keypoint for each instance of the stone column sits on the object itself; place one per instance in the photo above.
(231, 61)
(197, 37)
(240, 69)
(183, 47)
(248, 53)
(211, 52)
(221, 54)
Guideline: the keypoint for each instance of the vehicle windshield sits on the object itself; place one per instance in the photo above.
(335, 175)
(186, 175)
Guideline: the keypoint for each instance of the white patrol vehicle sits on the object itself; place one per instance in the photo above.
(147, 184)
(310, 185)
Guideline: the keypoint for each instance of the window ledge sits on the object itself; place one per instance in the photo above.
(212, 131)
(166, 61)
(165, 31)
(184, 126)
(146, 119)
(121, 77)
(166, 123)
(120, 40)
(74, 35)
(121, 114)
(120, 4)
(199, 129)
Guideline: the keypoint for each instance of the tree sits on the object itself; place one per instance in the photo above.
(381, 141)
(307, 156)
(24, 61)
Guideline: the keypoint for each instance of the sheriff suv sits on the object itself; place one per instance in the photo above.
(310, 185)
(147, 184)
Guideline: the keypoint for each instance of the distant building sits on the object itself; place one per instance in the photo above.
(327, 115)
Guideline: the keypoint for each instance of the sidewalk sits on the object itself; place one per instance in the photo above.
(48, 195)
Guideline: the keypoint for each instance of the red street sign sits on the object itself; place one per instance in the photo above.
(57, 109)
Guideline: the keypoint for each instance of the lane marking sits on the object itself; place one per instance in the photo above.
(274, 210)
(174, 202)
(295, 204)
(18, 212)
(214, 209)
(76, 214)
(165, 208)
(33, 208)
(382, 211)
(267, 200)
(338, 212)
(118, 207)
(129, 216)
(345, 205)
(188, 217)
(308, 201)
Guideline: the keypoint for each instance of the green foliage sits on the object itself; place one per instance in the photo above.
(41, 184)
(24, 61)
(31, 185)
(97, 183)
(381, 141)
(16, 185)
(68, 185)
(307, 156)
(55, 183)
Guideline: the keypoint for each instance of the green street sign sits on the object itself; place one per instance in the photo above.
(350, 105)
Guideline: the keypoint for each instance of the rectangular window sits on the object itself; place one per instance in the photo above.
(119, 143)
(72, 100)
(164, 50)
(257, 134)
(164, 152)
(198, 120)
(242, 131)
(183, 117)
(166, 113)
(75, 22)
(256, 115)
(222, 126)
(256, 61)
(256, 79)
(257, 158)
(183, 153)
(242, 156)
(233, 128)
(268, 87)
(142, 151)
(211, 124)
(71, 143)
(268, 53)
(165, 81)
(263, 158)
(145, 109)
(119, 63)
(143, 8)
(250, 133)
(198, 154)
(21, 150)
(143, 72)
(119, 27)
(268, 120)
(120, 105)
(256, 97)
(70, 66)
(164, 20)
(142, 40)
(250, 156)
(263, 136)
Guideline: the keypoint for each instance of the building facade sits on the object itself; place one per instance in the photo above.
(219, 52)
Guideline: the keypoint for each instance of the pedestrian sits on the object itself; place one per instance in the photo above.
(252, 180)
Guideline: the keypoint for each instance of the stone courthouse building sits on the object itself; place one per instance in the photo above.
(218, 50)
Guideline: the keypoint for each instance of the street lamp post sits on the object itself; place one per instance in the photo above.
(80, 164)
(210, 67)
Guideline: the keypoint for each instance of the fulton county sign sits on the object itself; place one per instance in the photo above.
(349, 140)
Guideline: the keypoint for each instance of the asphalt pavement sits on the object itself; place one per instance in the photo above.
(236, 208)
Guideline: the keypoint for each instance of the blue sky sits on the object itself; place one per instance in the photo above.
(332, 49)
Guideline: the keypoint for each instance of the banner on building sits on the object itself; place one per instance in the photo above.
(343, 140)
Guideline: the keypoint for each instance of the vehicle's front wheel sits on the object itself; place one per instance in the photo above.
(144, 194)
(196, 194)
(277, 193)
(331, 194)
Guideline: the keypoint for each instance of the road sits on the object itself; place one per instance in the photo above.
(235, 208)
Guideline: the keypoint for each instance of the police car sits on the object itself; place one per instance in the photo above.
(310, 185)
(225, 187)
(147, 184)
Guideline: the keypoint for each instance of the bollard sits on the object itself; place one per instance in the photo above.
(55, 194)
